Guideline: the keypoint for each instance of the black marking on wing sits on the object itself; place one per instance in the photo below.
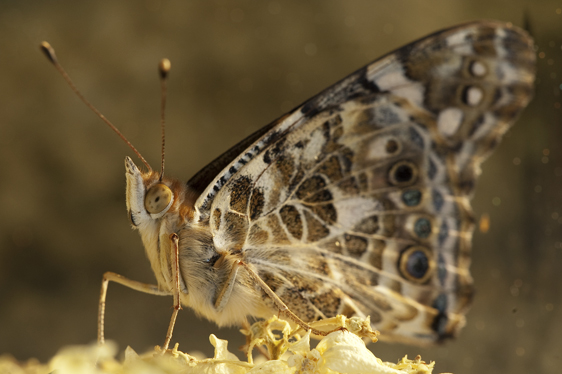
(352, 86)
(205, 176)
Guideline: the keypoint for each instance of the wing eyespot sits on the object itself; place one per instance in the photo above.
(422, 228)
(403, 173)
(412, 197)
(416, 264)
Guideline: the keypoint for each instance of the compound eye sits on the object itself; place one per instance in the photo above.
(158, 200)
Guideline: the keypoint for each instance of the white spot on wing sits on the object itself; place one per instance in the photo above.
(508, 73)
(393, 79)
(314, 146)
(449, 121)
(474, 96)
(498, 43)
(478, 69)
(377, 148)
(412, 92)
(352, 211)
(458, 42)
(457, 38)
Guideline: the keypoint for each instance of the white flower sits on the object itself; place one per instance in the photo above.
(344, 352)
(341, 352)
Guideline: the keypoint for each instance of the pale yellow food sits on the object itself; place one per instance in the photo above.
(342, 351)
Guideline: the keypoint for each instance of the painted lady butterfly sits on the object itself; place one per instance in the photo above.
(354, 203)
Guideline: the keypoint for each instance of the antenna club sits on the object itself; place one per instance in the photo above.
(48, 51)
(164, 68)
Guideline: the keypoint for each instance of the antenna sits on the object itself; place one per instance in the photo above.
(164, 68)
(50, 53)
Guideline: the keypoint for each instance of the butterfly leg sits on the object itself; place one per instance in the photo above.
(176, 290)
(226, 290)
(283, 308)
(135, 285)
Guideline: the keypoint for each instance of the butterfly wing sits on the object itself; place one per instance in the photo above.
(357, 202)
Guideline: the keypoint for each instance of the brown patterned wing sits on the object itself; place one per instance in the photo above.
(358, 202)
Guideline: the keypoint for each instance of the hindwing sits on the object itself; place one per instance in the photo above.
(357, 202)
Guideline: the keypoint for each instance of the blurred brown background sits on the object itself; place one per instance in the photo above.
(236, 66)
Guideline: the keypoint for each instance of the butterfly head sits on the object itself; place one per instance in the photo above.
(150, 198)
(147, 198)
(157, 206)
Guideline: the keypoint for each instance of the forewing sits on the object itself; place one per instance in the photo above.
(357, 202)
